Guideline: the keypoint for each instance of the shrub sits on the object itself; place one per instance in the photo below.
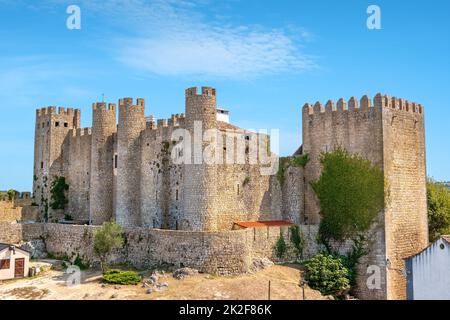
(115, 276)
(297, 240)
(327, 273)
(80, 263)
(280, 247)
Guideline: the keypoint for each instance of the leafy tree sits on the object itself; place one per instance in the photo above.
(58, 193)
(107, 238)
(351, 194)
(438, 196)
(11, 194)
(328, 274)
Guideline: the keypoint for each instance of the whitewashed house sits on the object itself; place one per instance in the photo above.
(14, 262)
(428, 272)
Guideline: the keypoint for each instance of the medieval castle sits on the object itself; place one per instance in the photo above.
(128, 171)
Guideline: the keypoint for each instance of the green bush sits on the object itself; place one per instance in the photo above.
(297, 240)
(115, 276)
(328, 274)
(280, 247)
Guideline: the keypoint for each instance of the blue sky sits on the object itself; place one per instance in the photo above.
(266, 59)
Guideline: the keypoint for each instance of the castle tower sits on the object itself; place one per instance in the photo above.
(131, 123)
(51, 130)
(102, 158)
(390, 133)
(199, 177)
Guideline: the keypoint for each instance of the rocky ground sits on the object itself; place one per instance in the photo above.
(160, 285)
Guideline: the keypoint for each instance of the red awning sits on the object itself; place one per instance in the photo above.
(260, 224)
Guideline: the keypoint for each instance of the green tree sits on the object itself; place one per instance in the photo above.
(280, 247)
(107, 238)
(351, 194)
(297, 240)
(11, 194)
(438, 196)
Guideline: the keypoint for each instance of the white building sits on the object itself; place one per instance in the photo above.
(14, 262)
(223, 115)
(428, 272)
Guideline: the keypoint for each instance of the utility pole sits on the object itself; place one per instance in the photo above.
(302, 285)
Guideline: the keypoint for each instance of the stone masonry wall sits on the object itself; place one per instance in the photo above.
(11, 211)
(404, 167)
(226, 252)
(357, 128)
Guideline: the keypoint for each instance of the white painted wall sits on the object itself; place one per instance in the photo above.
(8, 254)
(431, 272)
(223, 115)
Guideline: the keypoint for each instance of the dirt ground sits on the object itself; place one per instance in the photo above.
(51, 285)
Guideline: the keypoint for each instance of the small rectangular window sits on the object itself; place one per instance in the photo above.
(42, 165)
(57, 124)
(66, 124)
(115, 161)
(4, 264)
(176, 194)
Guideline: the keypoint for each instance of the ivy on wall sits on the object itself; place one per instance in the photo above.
(286, 162)
(58, 193)
(351, 194)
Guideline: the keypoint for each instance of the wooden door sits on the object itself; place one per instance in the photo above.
(19, 266)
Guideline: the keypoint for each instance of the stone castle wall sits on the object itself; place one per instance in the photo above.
(223, 252)
(15, 210)
(389, 132)
(77, 170)
(405, 171)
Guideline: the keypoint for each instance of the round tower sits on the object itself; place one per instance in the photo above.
(131, 124)
(200, 177)
(102, 158)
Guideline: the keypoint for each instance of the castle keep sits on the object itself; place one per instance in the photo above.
(129, 170)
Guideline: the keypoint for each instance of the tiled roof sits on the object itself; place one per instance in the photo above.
(259, 224)
(446, 238)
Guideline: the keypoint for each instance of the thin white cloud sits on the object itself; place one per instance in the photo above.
(175, 38)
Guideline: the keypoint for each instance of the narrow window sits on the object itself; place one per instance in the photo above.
(4, 263)
(176, 194)
(57, 124)
(115, 161)
(238, 189)
(42, 165)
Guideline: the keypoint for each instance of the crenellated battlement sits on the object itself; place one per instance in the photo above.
(129, 102)
(379, 101)
(80, 132)
(206, 91)
(103, 106)
(53, 110)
